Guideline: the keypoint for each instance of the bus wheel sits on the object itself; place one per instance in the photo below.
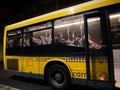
(58, 77)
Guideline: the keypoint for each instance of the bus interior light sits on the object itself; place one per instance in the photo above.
(115, 15)
(76, 23)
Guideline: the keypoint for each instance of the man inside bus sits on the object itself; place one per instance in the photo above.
(77, 42)
(59, 40)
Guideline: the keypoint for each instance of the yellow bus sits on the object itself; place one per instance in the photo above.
(75, 45)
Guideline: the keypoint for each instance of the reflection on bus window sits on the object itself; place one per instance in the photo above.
(68, 31)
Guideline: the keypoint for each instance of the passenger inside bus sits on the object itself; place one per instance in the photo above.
(34, 40)
(92, 44)
(26, 41)
(17, 41)
(59, 40)
(77, 42)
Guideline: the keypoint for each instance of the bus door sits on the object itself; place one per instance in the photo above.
(99, 69)
(115, 35)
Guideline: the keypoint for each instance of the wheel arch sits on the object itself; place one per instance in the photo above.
(50, 63)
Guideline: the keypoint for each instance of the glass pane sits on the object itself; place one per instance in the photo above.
(14, 39)
(69, 31)
(36, 38)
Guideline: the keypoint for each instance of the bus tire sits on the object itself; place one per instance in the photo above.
(58, 77)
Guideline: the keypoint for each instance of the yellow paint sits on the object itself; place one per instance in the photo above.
(36, 65)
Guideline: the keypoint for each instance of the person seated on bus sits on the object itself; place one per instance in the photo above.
(59, 40)
(92, 44)
(32, 39)
(39, 40)
(17, 41)
(77, 42)
(44, 40)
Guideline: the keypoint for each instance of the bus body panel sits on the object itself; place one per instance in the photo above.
(76, 65)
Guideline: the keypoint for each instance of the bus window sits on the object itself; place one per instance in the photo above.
(37, 35)
(14, 39)
(68, 31)
(13, 42)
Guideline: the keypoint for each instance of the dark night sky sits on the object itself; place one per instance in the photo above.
(9, 8)
(16, 10)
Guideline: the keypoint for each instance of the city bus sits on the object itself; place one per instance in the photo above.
(77, 45)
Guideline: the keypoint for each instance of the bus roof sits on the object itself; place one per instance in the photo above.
(92, 4)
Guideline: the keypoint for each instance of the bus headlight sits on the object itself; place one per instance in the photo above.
(102, 77)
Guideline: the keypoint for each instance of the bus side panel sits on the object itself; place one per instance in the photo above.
(30, 65)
